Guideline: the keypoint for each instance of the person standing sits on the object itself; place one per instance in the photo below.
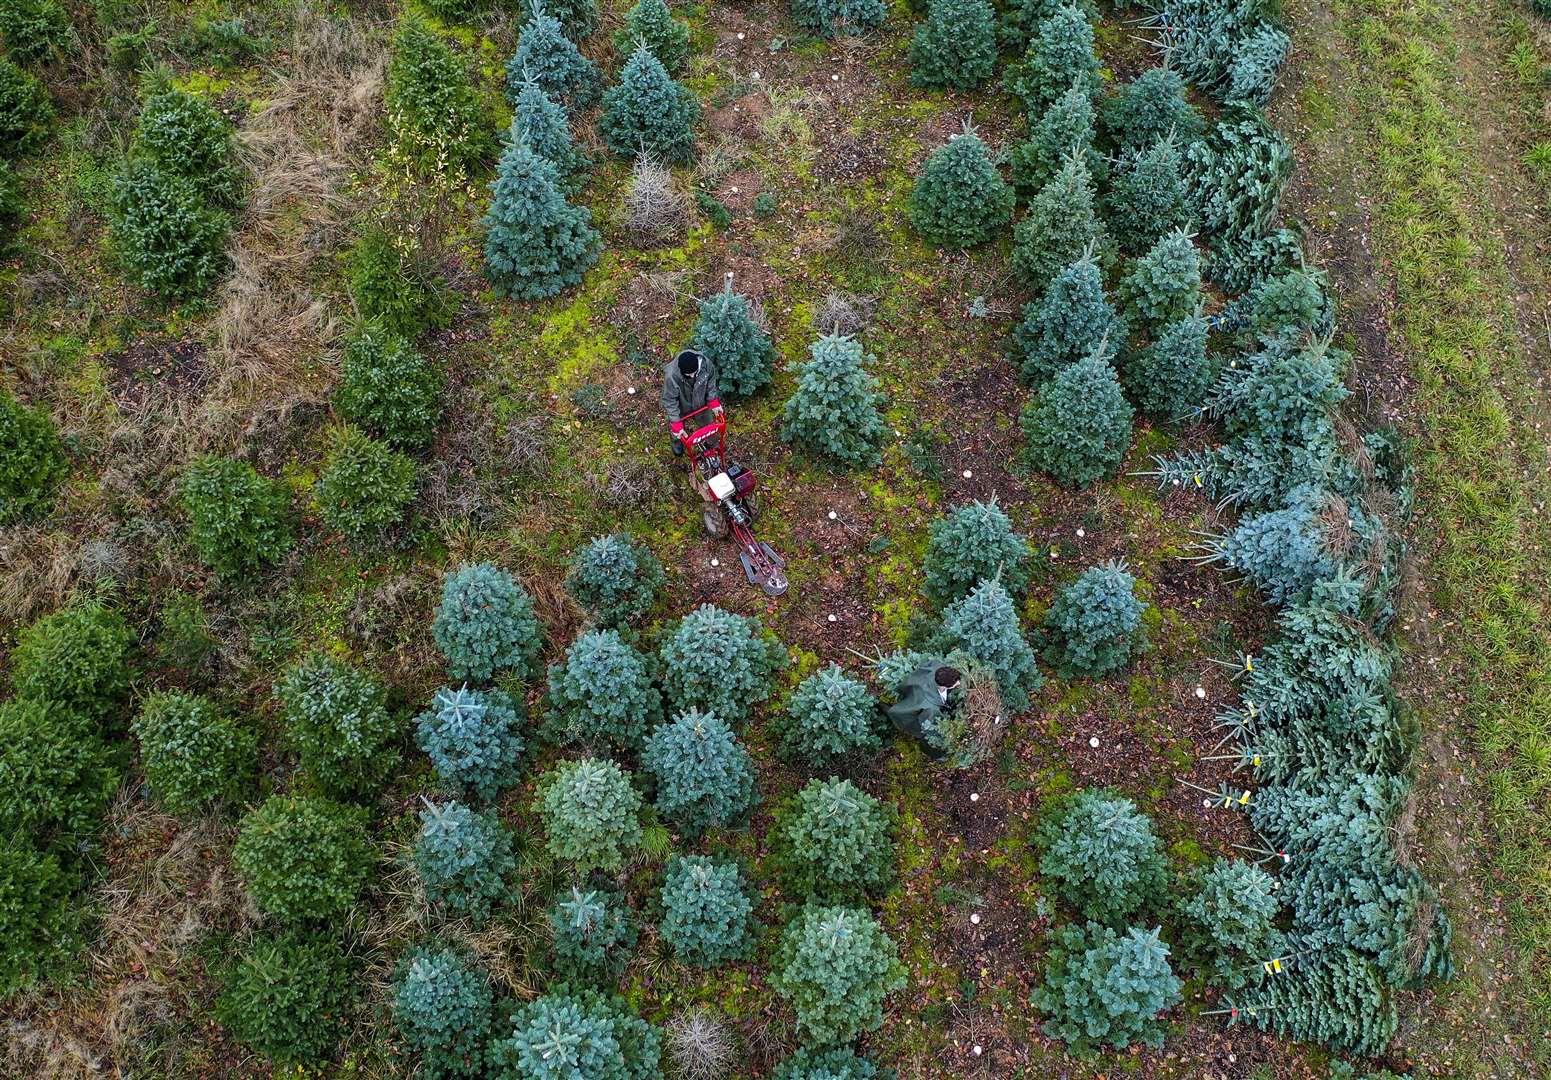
(688, 385)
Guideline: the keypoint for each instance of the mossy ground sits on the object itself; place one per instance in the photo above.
(834, 133)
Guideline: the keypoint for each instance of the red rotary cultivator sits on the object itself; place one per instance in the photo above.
(730, 508)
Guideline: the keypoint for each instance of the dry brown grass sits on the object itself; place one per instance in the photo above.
(167, 884)
(300, 152)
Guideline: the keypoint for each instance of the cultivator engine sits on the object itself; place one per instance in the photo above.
(727, 491)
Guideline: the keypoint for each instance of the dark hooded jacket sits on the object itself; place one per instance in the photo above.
(920, 707)
(681, 394)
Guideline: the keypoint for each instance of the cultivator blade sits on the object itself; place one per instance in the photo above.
(764, 569)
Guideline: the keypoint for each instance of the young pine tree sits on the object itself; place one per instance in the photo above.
(830, 714)
(832, 18)
(984, 625)
(1150, 107)
(1164, 285)
(960, 200)
(835, 966)
(704, 776)
(649, 113)
(168, 240)
(546, 56)
(537, 244)
(1061, 224)
(594, 934)
(1068, 323)
(1060, 56)
(651, 23)
(1064, 129)
(615, 578)
(834, 409)
(1101, 855)
(444, 1007)
(718, 662)
(741, 349)
(1078, 425)
(1095, 623)
(33, 464)
(433, 108)
(955, 48)
(1102, 988)
(1170, 377)
(388, 388)
(1148, 196)
(238, 520)
(969, 545)
(543, 125)
(602, 694)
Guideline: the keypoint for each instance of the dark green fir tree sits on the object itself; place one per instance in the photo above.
(1060, 56)
(1066, 324)
(1148, 196)
(652, 24)
(649, 113)
(1078, 425)
(955, 47)
(1065, 129)
(1061, 224)
(960, 200)
(536, 243)
(1169, 378)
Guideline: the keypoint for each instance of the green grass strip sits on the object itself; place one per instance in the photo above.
(1481, 456)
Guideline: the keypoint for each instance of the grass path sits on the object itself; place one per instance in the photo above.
(1413, 151)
